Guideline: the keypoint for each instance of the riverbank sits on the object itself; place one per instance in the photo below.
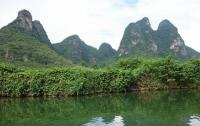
(124, 75)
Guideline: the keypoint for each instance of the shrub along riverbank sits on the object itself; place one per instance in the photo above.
(124, 75)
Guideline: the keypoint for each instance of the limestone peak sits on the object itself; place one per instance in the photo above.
(24, 20)
(24, 14)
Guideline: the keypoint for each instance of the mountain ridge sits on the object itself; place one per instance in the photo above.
(141, 40)
(26, 40)
(75, 49)
(78, 51)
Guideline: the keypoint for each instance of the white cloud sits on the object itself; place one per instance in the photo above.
(97, 21)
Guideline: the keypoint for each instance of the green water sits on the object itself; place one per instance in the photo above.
(175, 108)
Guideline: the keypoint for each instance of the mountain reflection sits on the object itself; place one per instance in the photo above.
(99, 121)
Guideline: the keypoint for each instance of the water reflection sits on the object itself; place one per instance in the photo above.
(99, 121)
(194, 121)
(176, 108)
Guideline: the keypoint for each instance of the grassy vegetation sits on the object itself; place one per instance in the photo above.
(125, 74)
(20, 46)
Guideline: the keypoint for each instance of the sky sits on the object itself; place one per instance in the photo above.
(97, 21)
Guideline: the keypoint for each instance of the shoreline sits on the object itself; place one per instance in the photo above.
(180, 88)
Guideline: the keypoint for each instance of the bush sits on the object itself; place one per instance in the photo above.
(128, 63)
(76, 80)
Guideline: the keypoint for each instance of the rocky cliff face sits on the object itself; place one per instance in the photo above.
(140, 39)
(24, 20)
(75, 49)
(170, 41)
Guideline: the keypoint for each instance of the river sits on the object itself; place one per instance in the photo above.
(160, 108)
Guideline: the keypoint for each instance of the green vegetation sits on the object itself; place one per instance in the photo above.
(79, 52)
(20, 46)
(124, 75)
(31, 66)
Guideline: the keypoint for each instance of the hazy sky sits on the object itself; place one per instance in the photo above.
(97, 21)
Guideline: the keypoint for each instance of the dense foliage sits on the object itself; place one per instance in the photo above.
(125, 74)
(19, 46)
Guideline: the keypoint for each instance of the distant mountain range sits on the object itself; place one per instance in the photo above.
(26, 40)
